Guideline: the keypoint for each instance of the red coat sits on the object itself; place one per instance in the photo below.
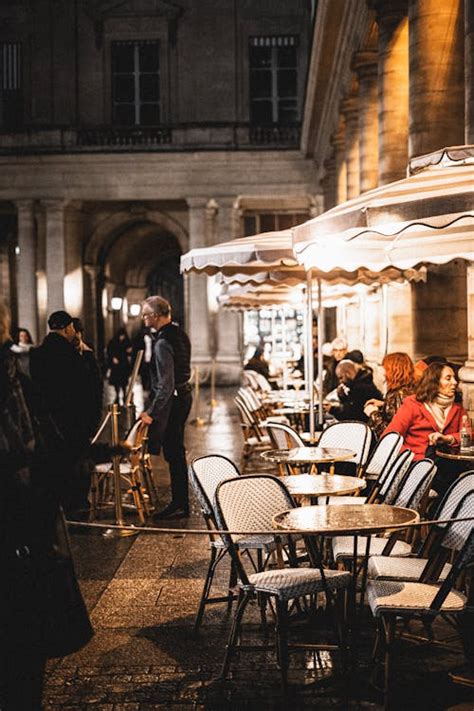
(415, 423)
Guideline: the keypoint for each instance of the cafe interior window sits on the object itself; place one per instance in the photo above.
(273, 67)
(136, 83)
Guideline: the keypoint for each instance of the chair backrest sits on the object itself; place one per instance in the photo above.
(350, 434)
(248, 378)
(249, 503)
(458, 532)
(463, 560)
(245, 415)
(206, 473)
(462, 486)
(388, 486)
(283, 436)
(415, 484)
(384, 453)
(263, 383)
(134, 432)
(250, 398)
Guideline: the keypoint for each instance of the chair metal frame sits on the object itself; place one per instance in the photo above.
(205, 492)
(249, 590)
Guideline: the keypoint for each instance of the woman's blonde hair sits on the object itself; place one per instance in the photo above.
(4, 322)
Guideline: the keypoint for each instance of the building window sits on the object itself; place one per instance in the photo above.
(11, 93)
(136, 83)
(254, 223)
(273, 79)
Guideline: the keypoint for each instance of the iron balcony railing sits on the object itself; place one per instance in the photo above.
(180, 137)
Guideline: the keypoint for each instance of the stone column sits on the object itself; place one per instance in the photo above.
(466, 374)
(329, 183)
(26, 268)
(392, 21)
(55, 253)
(197, 317)
(229, 332)
(350, 111)
(436, 32)
(469, 70)
(339, 143)
(92, 302)
(365, 66)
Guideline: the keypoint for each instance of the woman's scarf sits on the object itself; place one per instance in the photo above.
(439, 408)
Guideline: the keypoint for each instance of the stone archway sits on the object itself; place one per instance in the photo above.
(123, 256)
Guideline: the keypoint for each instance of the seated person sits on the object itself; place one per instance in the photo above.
(399, 376)
(431, 418)
(338, 353)
(258, 363)
(355, 388)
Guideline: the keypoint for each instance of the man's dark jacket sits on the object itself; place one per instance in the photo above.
(361, 389)
(61, 378)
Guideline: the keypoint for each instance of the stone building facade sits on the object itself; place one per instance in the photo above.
(390, 80)
(133, 131)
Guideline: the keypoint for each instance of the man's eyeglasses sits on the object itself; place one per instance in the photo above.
(145, 314)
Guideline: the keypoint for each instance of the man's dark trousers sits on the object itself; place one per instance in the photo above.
(173, 448)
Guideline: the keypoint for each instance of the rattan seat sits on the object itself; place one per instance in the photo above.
(343, 547)
(390, 596)
(288, 583)
(393, 568)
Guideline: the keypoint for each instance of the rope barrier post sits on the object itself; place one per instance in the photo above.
(119, 520)
(198, 420)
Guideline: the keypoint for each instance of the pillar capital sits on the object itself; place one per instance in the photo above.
(365, 64)
(349, 108)
(24, 205)
(197, 203)
(52, 206)
(389, 11)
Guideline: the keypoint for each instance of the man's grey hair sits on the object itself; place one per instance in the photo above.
(158, 305)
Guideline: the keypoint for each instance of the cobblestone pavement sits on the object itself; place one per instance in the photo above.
(143, 593)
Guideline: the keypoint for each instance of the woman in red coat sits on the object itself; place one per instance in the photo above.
(431, 417)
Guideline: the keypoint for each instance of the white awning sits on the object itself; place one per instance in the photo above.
(427, 218)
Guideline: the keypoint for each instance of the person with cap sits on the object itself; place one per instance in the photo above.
(60, 378)
(170, 400)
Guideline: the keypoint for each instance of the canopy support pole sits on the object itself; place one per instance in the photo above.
(320, 353)
(309, 348)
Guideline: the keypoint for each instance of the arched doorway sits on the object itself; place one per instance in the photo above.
(167, 281)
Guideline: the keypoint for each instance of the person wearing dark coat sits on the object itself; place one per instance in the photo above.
(170, 400)
(119, 355)
(356, 387)
(258, 363)
(95, 384)
(60, 377)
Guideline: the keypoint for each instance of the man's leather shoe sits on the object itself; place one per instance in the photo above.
(172, 511)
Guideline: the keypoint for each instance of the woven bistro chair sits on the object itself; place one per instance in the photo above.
(284, 437)
(250, 503)
(353, 435)
(416, 485)
(428, 561)
(391, 602)
(135, 471)
(379, 464)
(205, 474)
(254, 440)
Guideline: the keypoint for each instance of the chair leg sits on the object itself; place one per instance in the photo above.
(234, 632)
(282, 641)
(206, 589)
(389, 627)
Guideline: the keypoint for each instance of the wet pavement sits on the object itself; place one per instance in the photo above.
(143, 593)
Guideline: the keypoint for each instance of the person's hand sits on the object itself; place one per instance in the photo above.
(374, 403)
(369, 408)
(438, 437)
(145, 417)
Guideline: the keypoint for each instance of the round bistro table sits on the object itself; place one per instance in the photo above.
(307, 455)
(352, 520)
(310, 485)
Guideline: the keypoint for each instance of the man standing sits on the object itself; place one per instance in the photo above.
(58, 372)
(170, 400)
